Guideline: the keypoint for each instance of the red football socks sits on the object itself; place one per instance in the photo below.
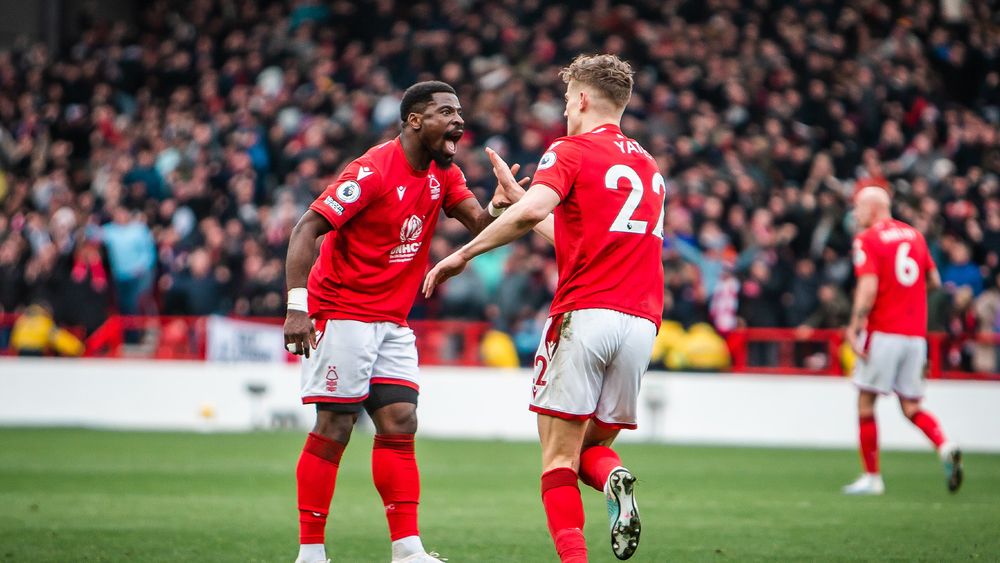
(596, 463)
(394, 470)
(564, 512)
(316, 476)
(929, 426)
(868, 438)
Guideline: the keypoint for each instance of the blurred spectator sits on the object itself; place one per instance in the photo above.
(36, 334)
(833, 309)
(960, 271)
(725, 302)
(986, 353)
(497, 350)
(962, 325)
(84, 282)
(198, 290)
(701, 349)
(760, 306)
(803, 297)
(132, 253)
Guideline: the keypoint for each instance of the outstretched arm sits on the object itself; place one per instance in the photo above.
(535, 206)
(301, 255)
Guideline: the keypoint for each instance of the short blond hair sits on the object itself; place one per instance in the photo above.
(610, 75)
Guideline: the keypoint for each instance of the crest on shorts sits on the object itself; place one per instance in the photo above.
(331, 379)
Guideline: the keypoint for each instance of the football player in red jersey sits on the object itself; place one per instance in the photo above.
(347, 310)
(888, 331)
(607, 199)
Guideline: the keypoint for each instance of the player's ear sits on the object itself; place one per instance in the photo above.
(584, 100)
(415, 120)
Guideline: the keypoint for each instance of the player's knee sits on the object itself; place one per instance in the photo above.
(910, 410)
(335, 425)
(399, 418)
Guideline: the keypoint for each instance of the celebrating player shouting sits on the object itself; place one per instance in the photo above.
(349, 321)
(888, 331)
(608, 200)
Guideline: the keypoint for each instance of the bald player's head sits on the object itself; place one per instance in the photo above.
(871, 205)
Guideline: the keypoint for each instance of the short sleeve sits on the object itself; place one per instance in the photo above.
(456, 190)
(358, 185)
(930, 266)
(864, 259)
(558, 167)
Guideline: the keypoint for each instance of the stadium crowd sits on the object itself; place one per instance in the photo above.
(159, 166)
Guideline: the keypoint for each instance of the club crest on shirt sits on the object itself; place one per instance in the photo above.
(411, 230)
(349, 191)
(548, 159)
(435, 186)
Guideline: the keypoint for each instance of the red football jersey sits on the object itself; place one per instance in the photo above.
(383, 214)
(896, 253)
(609, 224)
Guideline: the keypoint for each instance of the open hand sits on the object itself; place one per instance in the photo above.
(509, 190)
(447, 268)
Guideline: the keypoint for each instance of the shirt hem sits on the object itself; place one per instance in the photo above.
(579, 306)
(345, 316)
(561, 195)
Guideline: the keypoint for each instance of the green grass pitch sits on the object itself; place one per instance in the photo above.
(79, 495)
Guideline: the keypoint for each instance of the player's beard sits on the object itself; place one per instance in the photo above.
(443, 160)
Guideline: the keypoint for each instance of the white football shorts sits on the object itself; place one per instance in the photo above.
(352, 355)
(895, 364)
(589, 366)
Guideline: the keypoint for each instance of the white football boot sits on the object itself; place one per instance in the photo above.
(867, 484)
(312, 553)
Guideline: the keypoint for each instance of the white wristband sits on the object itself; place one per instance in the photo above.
(493, 211)
(298, 299)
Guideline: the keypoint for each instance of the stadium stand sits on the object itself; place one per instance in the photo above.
(158, 166)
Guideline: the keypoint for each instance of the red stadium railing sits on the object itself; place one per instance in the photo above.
(186, 337)
(789, 348)
(779, 351)
(785, 348)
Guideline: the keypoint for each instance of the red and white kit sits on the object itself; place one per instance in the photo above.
(609, 302)
(369, 269)
(896, 338)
